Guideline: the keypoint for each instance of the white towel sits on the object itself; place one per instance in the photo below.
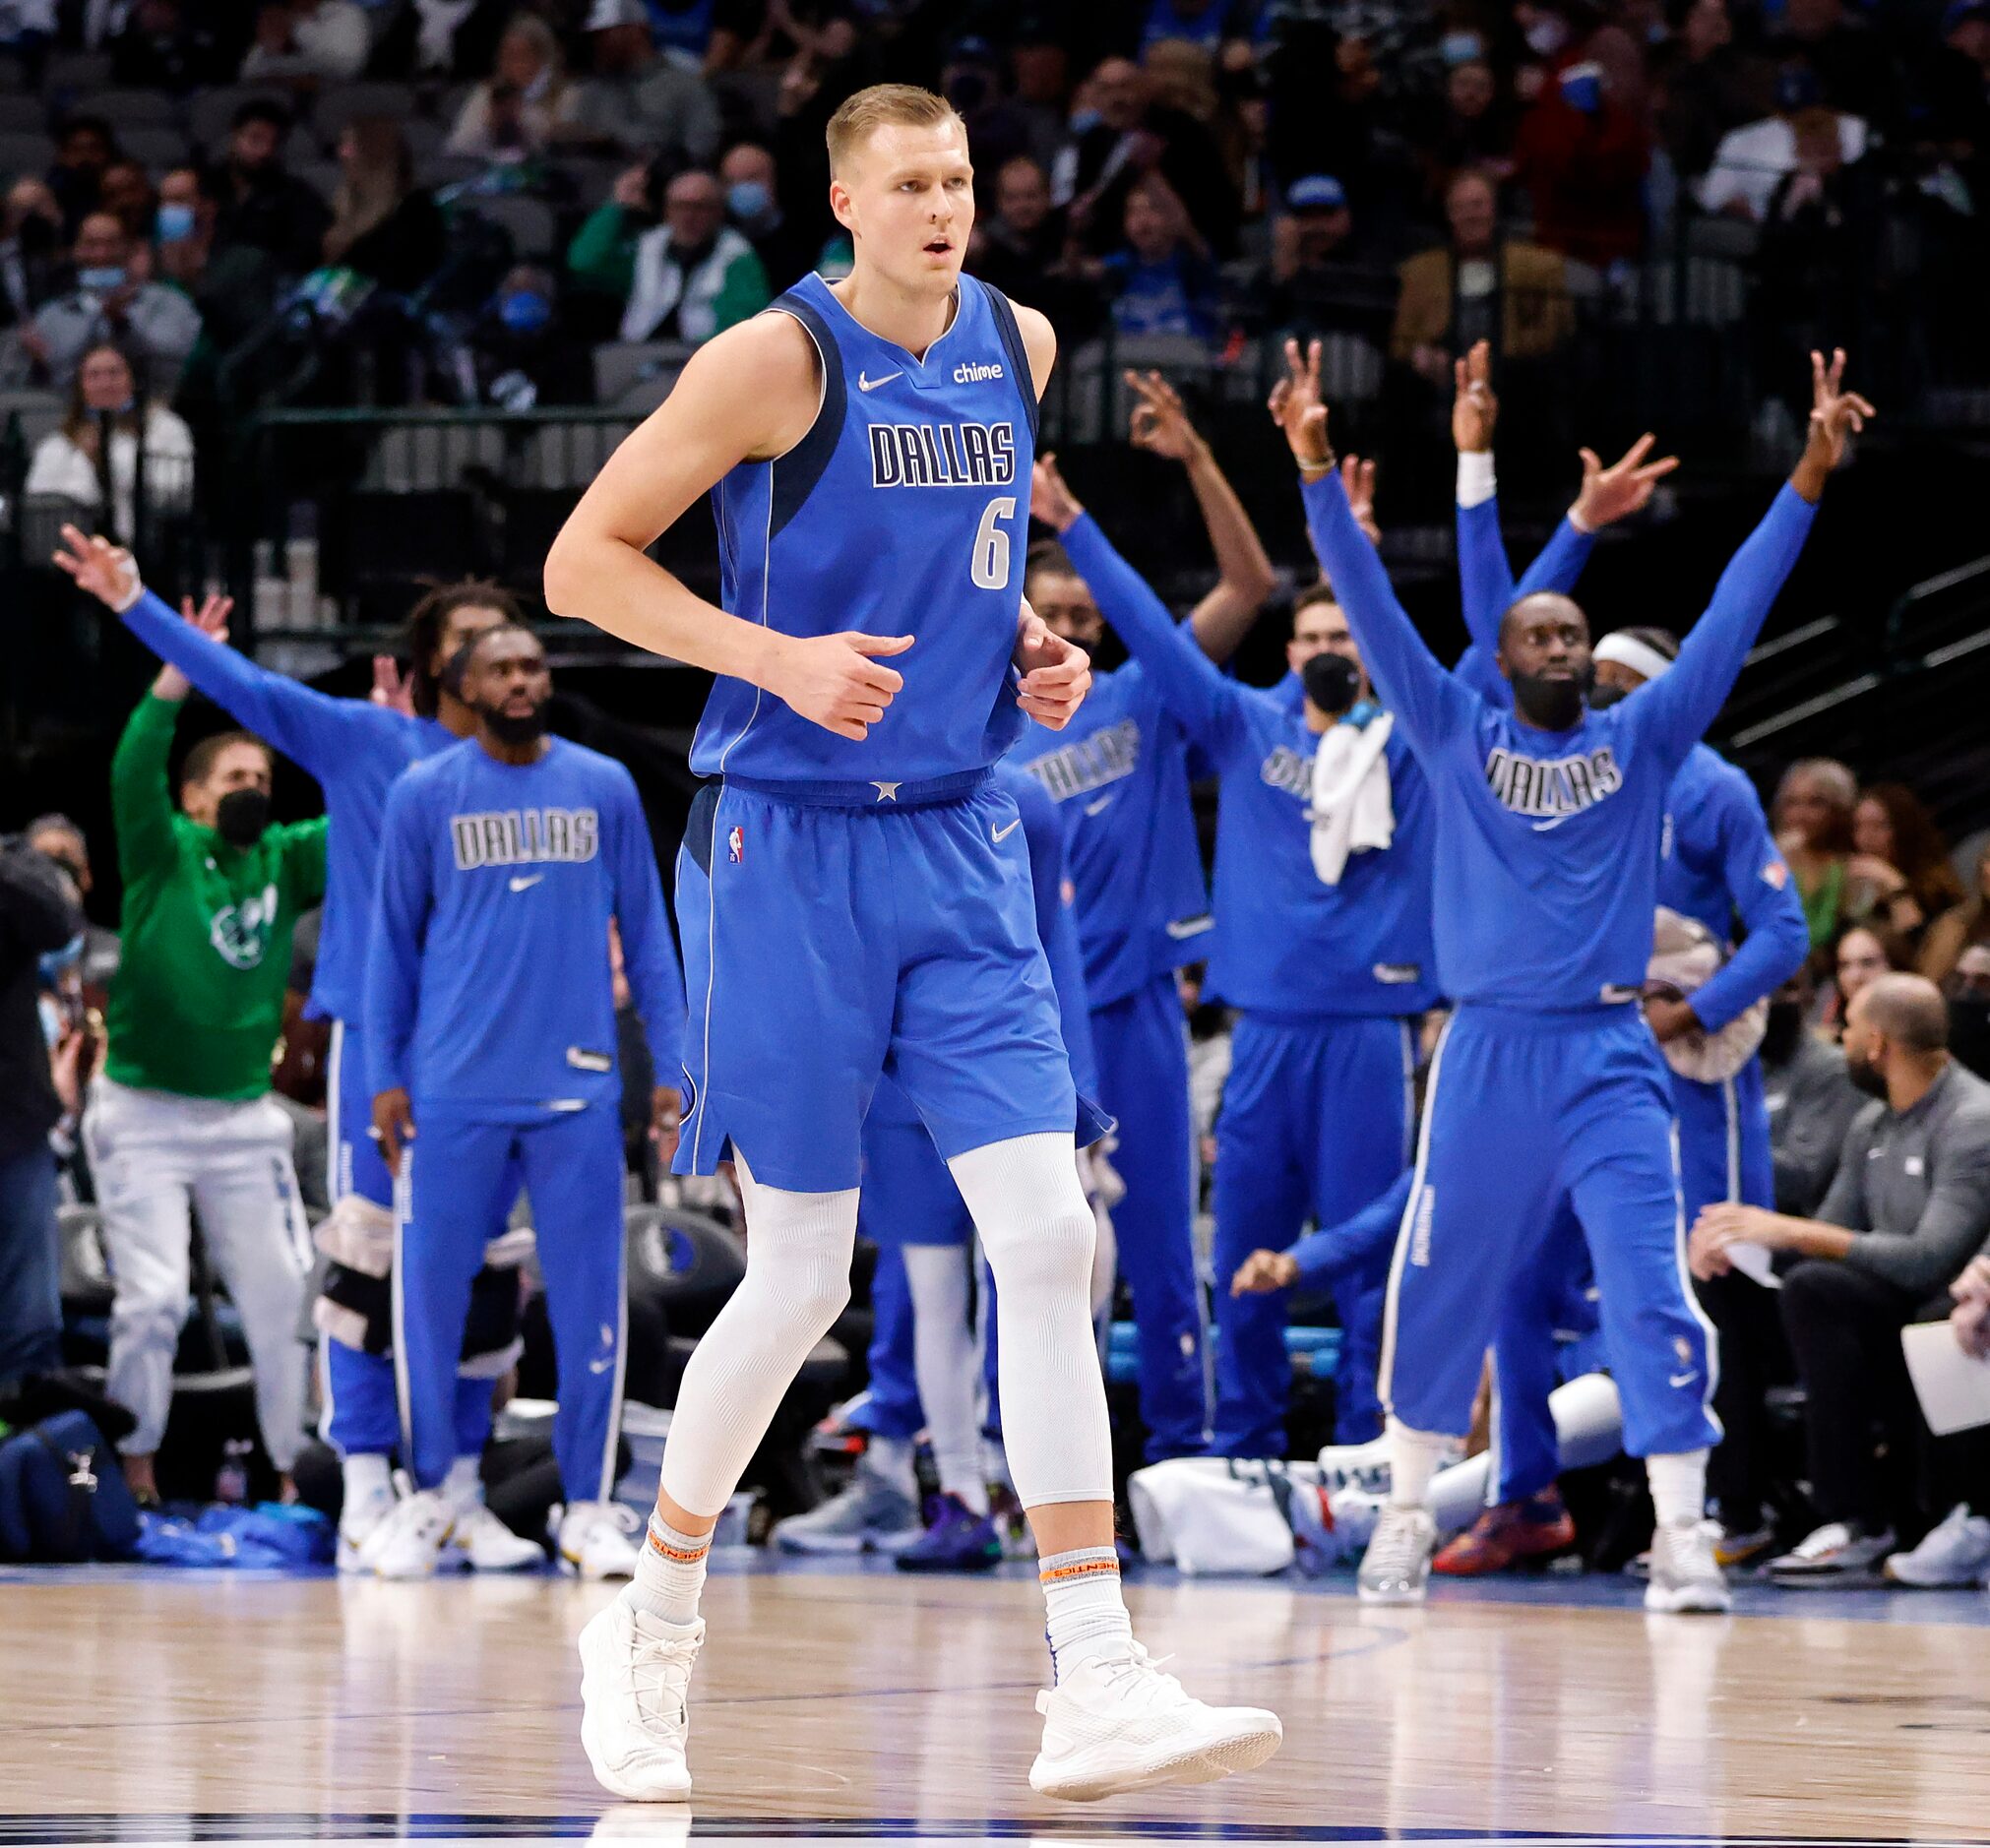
(1684, 954)
(1351, 809)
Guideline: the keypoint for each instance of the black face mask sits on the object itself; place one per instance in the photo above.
(1969, 1032)
(515, 728)
(1865, 1075)
(241, 815)
(1331, 682)
(1784, 1031)
(1602, 698)
(1550, 704)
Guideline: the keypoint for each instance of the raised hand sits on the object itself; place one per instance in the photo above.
(391, 687)
(1297, 411)
(1056, 673)
(1357, 477)
(836, 681)
(1159, 421)
(1836, 416)
(105, 570)
(210, 617)
(1624, 488)
(1474, 410)
(1050, 500)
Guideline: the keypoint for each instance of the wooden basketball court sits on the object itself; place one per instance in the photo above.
(150, 1706)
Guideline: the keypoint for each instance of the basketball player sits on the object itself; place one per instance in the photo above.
(1547, 1080)
(854, 902)
(355, 749)
(1119, 773)
(490, 1033)
(1322, 943)
(1717, 862)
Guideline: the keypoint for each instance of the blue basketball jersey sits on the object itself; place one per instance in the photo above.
(903, 511)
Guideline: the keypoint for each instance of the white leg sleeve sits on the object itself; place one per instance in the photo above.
(797, 1280)
(947, 1363)
(252, 1219)
(1039, 1232)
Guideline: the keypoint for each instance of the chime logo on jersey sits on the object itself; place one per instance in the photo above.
(941, 454)
(239, 933)
(1072, 769)
(521, 837)
(1553, 788)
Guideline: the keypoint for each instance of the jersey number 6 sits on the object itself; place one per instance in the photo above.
(989, 567)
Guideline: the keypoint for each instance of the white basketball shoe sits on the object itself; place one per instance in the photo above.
(635, 1717)
(600, 1539)
(358, 1521)
(1124, 1724)
(1395, 1567)
(409, 1542)
(481, 1543)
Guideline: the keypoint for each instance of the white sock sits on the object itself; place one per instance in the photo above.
(462, 1486)
(1039, 1232)
(671, 1574)
(797, 1280)
(1678, 1487)
(1084, 1617)
(367, 1477)
(1413, 1457)
(948, 1367)
(893, 1459)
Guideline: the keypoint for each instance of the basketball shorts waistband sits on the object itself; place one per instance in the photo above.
(878, 794)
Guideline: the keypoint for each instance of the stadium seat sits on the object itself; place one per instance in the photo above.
(156, 147)
(622, 364)
(26, 150)
(212, 112)
(126, 109)
(23, 113)
(530, 223)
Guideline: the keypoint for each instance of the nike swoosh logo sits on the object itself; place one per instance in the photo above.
(1002, 833)
(1192, 927)
(1682, 1379)
(1541, 827)
(523, 885)
(1099, 806)
(871, 384)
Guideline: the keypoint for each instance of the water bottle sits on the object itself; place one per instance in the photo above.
(232, 1480)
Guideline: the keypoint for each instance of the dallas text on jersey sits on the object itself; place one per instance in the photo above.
(519, 836)
(941, 454)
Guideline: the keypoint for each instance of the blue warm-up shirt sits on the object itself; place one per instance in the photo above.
(353, 747)
(1717, 860)
(488, 987)
(1546, 861)
(1286, 941)
(1119, 777)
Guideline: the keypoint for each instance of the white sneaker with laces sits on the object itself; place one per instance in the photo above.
(409, 1542)
(481, 1543)
(1124, 1724)
(1685, 1575)
(1954, 1555)
(1354, 1512)
(635, 1717)
(597, 1539)
(359, 1523)
(1836, 1550)
(1396, 1568)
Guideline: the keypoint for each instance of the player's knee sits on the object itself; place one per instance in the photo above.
(147, 1318)
(1054, 1254)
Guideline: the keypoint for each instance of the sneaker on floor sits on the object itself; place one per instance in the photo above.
(1736, 1546)
(1838, 1550)
(1124, 1724)
(635, 1681)
(1396, 1568)
(600, 1539)
(871, 1516)
(1954, 1555)
(409, 1542)
(358, 1521)
(843, 1431)
(1685, 1575)
(959, 1541)
(481, 1543)
(1504, 1535)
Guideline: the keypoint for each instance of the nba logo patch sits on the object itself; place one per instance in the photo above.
(735, 846)
(1775, 874)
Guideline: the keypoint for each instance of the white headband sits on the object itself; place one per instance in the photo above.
(1641, 657)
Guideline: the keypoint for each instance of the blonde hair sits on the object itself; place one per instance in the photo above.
(884, 105)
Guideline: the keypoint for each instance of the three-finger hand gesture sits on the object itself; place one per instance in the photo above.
(1297, 411)
(1615, 493)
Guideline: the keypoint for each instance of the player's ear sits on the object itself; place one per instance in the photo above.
(840, 204)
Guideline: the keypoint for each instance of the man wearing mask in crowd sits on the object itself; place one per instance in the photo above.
(257, 203)
(752, 185)
(112, 300)
(41, 916)
(182, 1114)
(64, 843)
(518, 353)
(695, 275)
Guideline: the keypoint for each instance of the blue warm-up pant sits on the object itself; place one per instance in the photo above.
(463, 1172)
(361, 1410)
(1523, 1110)
(1314, 1123)
(1723, 1155)
(1141, 1043)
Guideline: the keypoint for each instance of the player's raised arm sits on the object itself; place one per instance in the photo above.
(1412, 683)
(1676, 710)
(748, 395)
